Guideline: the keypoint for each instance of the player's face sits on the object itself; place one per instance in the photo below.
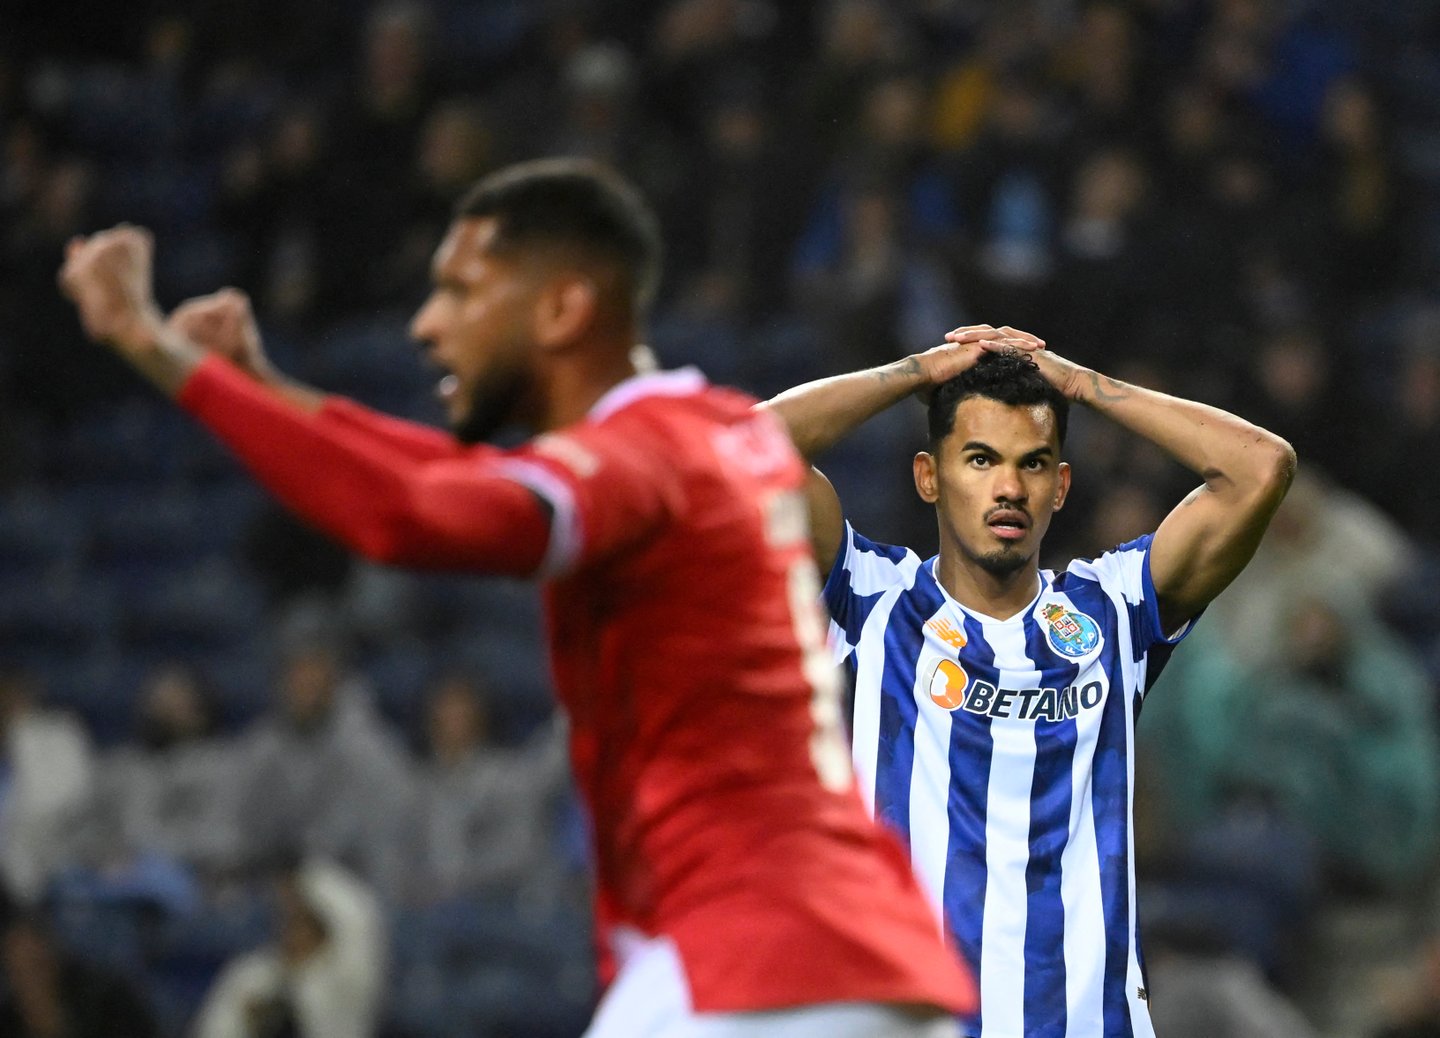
(477, 327)
(995, 482)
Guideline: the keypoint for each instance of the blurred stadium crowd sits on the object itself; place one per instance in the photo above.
(207, 708)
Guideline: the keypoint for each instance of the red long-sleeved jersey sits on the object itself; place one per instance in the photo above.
(685, 639)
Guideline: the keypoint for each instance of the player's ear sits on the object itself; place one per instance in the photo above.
(927, 477)
(564, 308)
(1062, 485)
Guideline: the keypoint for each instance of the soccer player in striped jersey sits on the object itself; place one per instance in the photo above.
(995, 702)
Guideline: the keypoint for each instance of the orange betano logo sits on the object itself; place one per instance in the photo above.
(947, 685)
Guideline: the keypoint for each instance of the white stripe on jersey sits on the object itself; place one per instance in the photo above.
(929, 816)
(1080, 892)
(566, 540)
(1002, 958)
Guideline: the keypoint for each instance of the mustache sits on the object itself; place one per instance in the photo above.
(1006, 507)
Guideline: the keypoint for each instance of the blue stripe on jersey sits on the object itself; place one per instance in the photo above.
(847, 609)
(896, 757)
(1110, 796)
(971, 748)
(1045, 994)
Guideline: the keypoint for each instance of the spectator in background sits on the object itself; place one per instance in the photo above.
(1105, 279)
(1414, 1009)
(730, 236)
(1011, 184)
(1294, 386)
(59, 201)
(322, 772)
(273, 203)
(46, 781)
(1102, 71)
(1324, 539)
(1356, 240)
(860, 41)
(869, 291)
(601, 117)
(485, 817)
(374, 135)
(169, 797)
(1409, 429)
(1206, 991)
(456, 147)
(1344, 739)
(323, 974)
(1007, 36)
(49, 993)
(871, 265)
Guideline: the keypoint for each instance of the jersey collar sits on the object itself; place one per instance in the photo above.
(1044, 582)
(680, 382)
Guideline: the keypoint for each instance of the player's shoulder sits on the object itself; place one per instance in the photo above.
(1121, 565)
(866, 566)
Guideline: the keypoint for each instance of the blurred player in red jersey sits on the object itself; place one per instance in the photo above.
(740, 888)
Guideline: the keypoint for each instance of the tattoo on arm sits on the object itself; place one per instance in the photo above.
(1107, 388)
(907, 368)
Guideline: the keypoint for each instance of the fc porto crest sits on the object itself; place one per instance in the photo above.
(1069, 633)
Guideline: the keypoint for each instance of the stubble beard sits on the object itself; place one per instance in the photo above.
(1000, 562)
(494, 404)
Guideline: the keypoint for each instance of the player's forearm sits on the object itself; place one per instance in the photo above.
(821, 413)
(416, 441)
(164, 357)
(373, 499)
(293, 392)
(1237, 459)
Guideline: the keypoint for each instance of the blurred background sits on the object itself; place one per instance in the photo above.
(251, 786)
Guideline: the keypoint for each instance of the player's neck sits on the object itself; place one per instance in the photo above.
(978, 589)
(578, 378)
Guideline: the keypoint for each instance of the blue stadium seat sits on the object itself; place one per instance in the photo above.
(39, 536)
(196, 612)
(54, 619)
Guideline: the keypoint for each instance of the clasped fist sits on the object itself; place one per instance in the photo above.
(108, 277)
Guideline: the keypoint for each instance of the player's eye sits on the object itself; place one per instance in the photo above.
(979, 461)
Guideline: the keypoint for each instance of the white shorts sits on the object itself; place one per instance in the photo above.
(651, 999)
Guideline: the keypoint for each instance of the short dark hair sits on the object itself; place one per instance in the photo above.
(1009, 378)
(577, 204)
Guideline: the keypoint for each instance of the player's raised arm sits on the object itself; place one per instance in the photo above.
(819, 414)
(379, 500)
(223, 323)
(1204, 543)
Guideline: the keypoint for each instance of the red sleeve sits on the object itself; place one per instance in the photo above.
(610, 487)
(462, 512)
(417, 442)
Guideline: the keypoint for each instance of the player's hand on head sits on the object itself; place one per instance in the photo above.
(941, 363)
(984, 333)
(222, 323)
(964, 346)
(108, 277)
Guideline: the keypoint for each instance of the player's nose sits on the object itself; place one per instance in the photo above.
(1008, 486)
(422, 325)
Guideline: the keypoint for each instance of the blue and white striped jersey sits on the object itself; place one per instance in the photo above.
(1001, 753)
